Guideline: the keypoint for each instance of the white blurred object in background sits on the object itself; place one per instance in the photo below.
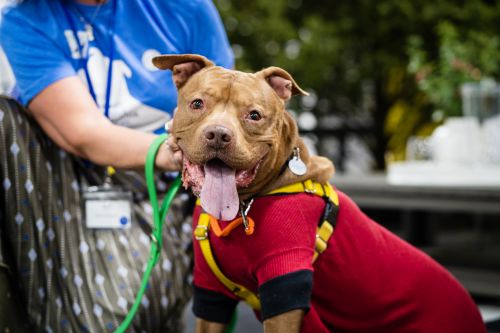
(482, 101)
(457, 141)
(425, 173)
(490, 153)
(418, 148)
(463, 151)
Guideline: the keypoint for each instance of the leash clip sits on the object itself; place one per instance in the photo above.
(244, 209)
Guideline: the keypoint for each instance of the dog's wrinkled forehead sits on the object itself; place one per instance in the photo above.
(224, 85)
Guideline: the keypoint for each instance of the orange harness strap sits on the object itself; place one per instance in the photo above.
(214, 225)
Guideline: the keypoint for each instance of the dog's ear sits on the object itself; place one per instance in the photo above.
(282, 82)
(183, 66)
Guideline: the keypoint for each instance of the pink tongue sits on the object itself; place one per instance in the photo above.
(219, 196)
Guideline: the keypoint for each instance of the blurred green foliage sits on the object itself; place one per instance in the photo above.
(391, 60)
(464, 55)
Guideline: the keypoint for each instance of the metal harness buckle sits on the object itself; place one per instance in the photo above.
(201, 232)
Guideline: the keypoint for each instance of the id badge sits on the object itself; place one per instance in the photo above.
(107, 207)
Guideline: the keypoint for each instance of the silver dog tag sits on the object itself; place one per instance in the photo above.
(296, 165)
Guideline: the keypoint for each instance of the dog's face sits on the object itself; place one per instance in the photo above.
(232, 127)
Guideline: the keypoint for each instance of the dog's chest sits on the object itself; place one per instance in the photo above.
(283, 240)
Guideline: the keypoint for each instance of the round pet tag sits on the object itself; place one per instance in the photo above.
(297, 166)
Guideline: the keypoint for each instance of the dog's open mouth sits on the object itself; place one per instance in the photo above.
(217, 185)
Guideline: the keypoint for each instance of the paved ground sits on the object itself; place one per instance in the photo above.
(246, 321)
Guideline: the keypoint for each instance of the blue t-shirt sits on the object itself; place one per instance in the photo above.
(40, 44)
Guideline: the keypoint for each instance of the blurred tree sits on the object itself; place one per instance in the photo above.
(464, 56)
(355, 55)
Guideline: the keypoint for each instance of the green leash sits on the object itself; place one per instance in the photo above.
(158, 218)
(156, 234)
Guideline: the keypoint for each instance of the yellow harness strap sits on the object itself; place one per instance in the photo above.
(323, 234)
(201, 234)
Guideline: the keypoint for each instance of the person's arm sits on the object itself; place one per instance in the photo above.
(67, 113)
(60, 101)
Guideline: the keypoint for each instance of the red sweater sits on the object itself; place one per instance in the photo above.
(368, 279)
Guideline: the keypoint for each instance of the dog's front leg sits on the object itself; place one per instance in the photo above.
(205, 326)
(288, 322)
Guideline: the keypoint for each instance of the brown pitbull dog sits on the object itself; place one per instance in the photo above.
(235, 124)
(238, 140)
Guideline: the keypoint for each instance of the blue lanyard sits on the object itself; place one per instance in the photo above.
(84, 58)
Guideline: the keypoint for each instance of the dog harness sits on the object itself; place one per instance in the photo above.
(324, 232)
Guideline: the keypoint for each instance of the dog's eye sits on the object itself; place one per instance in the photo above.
(254, 115)
(197, 104)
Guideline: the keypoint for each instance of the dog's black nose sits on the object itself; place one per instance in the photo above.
(217, 136)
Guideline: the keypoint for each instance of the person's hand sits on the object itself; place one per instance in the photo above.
(169, 156)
